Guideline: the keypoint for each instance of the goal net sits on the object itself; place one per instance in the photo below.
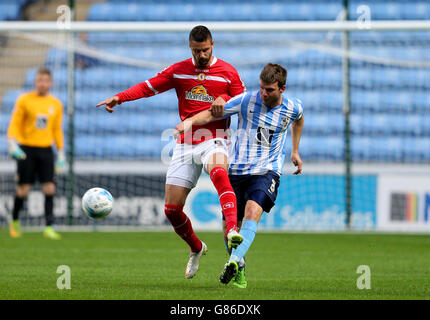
(127, 152)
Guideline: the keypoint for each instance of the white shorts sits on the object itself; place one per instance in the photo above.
(188, 160)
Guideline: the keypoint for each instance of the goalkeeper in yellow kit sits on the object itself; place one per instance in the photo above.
(34, 126)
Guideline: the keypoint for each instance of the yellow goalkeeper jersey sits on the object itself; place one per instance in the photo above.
(36, 121)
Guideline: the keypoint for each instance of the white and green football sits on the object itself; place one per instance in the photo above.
(97, 203)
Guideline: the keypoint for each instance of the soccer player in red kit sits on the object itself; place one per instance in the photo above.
(201, 83)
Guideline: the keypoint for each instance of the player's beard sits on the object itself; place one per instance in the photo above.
(271, 102)
(203, 62)
(42, 91)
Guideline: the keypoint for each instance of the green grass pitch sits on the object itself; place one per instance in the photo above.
(151, 265)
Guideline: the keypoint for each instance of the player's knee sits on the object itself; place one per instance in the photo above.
(218, 159)
(253, 211)
(23, 190)
(48, 189)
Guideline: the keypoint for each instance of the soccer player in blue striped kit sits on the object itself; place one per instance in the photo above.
(258, 156)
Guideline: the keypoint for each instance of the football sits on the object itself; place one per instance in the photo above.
(97, 203)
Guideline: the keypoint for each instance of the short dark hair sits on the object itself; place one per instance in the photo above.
(200, 34)
(43, 70)
(273, 72)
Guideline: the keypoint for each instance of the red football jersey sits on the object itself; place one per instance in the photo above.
(196, 89)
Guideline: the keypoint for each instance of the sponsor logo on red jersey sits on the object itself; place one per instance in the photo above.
(199, 93)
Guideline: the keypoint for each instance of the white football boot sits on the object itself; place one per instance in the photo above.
(193, 263)
(234, 238)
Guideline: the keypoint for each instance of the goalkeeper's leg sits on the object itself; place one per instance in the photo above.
(22, 191)
(46, 176)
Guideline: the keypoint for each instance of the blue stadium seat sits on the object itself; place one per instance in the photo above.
(425, 124)
(391, 10)
(420, 101)
(59, 77)
(360, 148)
(102, 123)
(315, 77)
(120, 78)
(324, 11)
(386, 149)
(319, 100)
(62, 95)
(3, 146)
(161, 102)
(324, 124)
(374, 124)
(9, 99)
(390, 149)
(411, 125)
(328, 148)
(56, 57)
(373, 37)
(10, 11)
(4, 123)
(119, 146)
(100, 12)
(381, 95)
(86, 100)
(419, 11)
(219, 11)
(416, 150)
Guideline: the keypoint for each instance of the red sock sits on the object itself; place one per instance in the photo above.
(182, 226)
(227, 197)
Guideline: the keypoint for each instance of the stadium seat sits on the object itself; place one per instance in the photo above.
(386, 149)
(416, 150)
(10, 11)
(390, 118)
(329, 148)
(324, 124)
(410, 126)
(360, 148)
(319, 100)
(119, 147)
(3, 146)
(4, 123)
(102, 123)
(425, 124)
(9, 99)
(374, 124)
(218, 11)
(56, 57)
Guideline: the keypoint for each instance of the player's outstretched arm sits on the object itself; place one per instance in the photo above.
(109, 103)
(296, 133)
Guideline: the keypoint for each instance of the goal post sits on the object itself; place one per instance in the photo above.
(389, 71)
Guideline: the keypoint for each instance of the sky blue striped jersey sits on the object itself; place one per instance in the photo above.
(261, 132)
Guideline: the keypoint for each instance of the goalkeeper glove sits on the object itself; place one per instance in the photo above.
(15, 151)
(60, 164)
